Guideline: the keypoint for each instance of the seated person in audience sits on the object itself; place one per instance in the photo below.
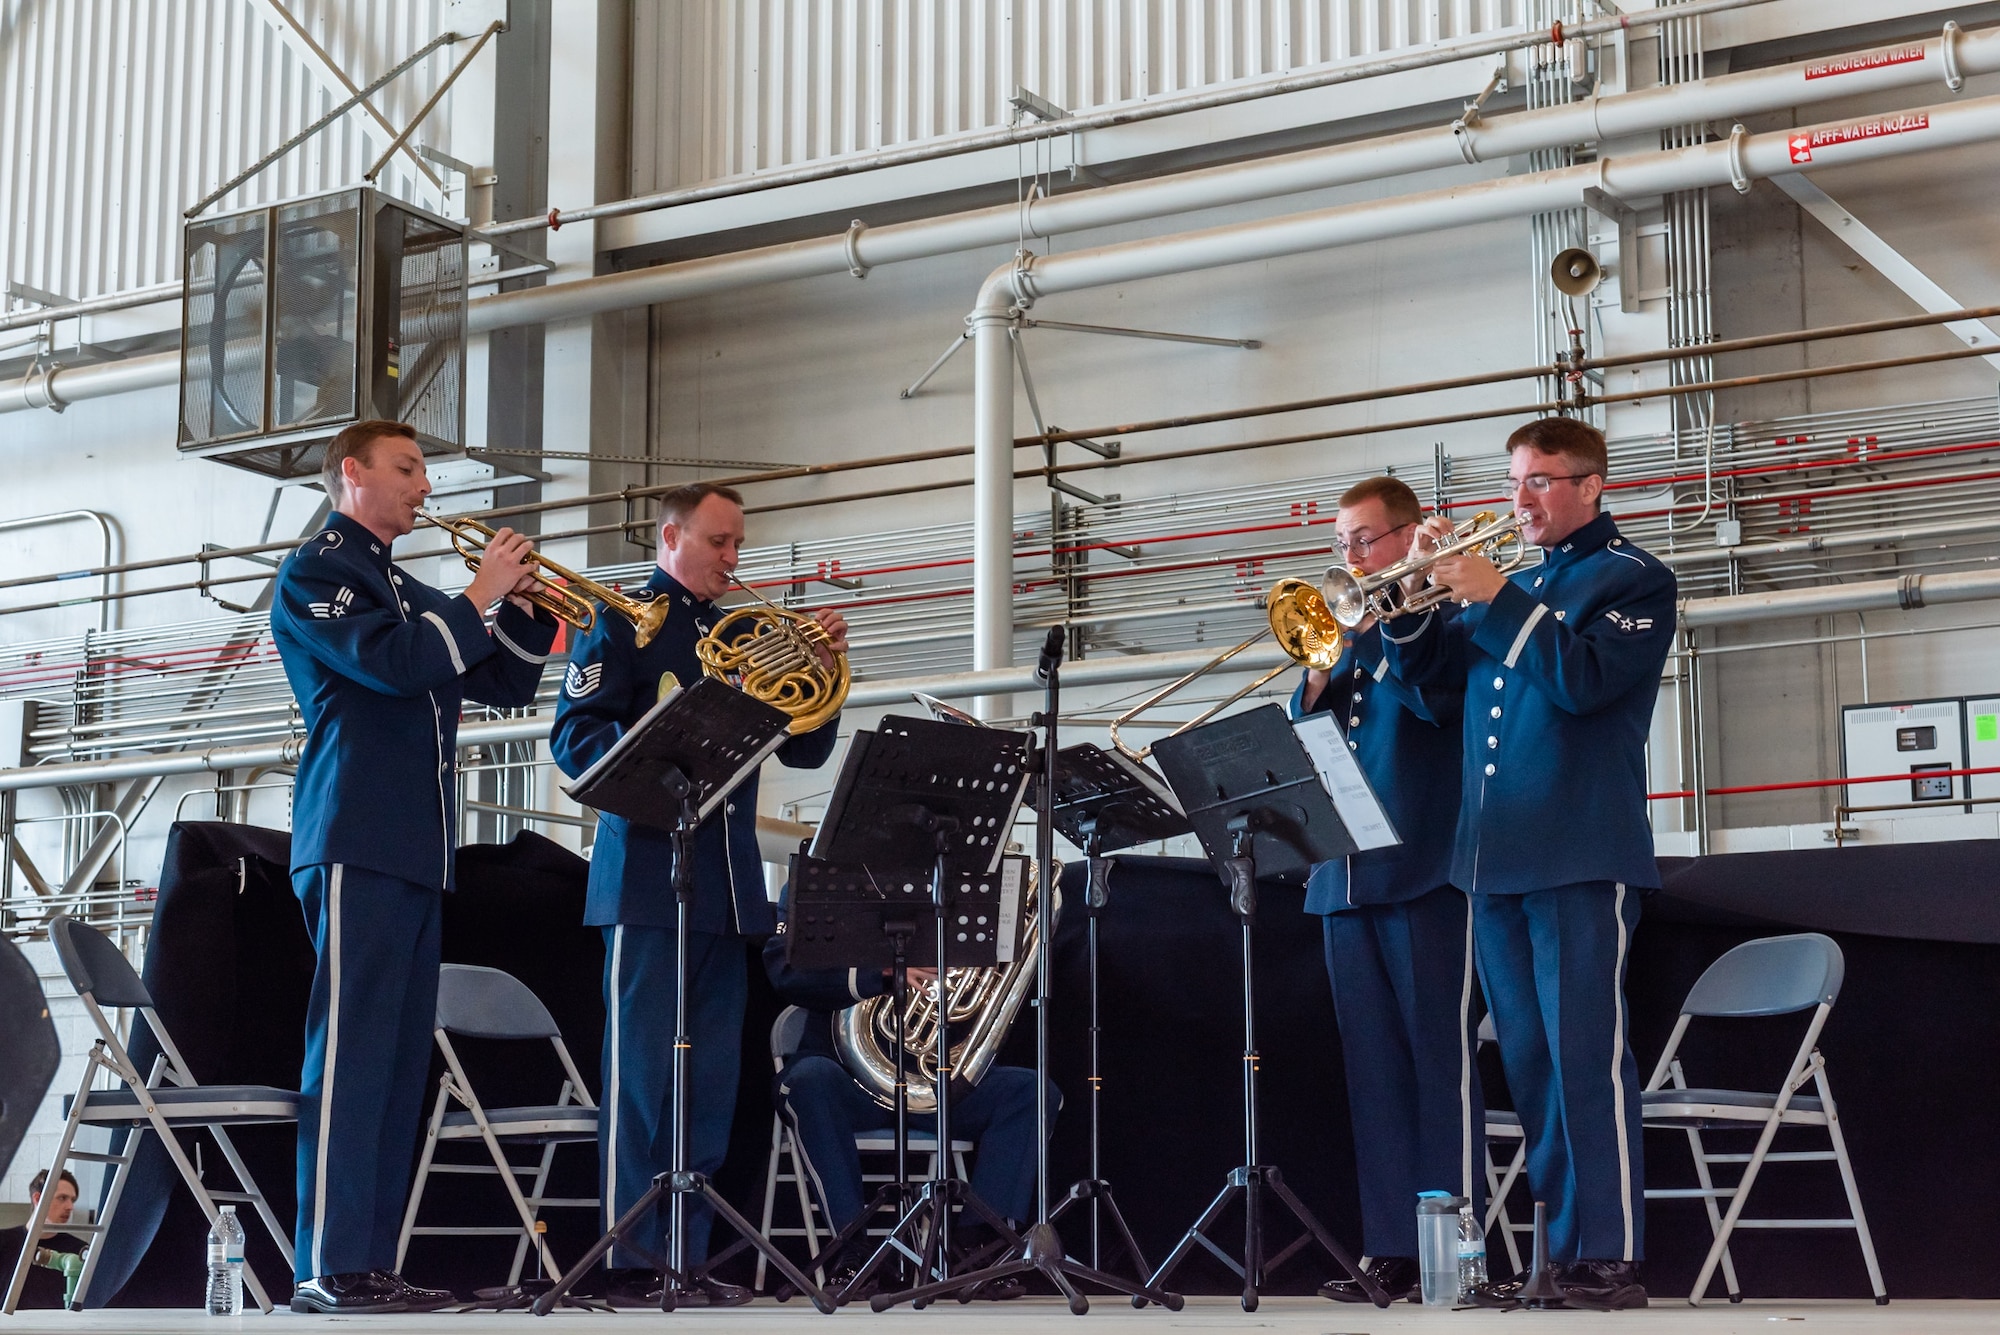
(56, 1261)
(826, 1107)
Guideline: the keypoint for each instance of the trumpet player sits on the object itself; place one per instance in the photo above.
(380, 663)
(610, 685)
(1560, 665)
(1398, 933)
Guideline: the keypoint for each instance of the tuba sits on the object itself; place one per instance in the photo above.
(1354, 596)
(769, 653)
(982, 1001)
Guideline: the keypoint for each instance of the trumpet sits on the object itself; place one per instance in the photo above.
(572, 601)
(1305, 629)
(1354, 597)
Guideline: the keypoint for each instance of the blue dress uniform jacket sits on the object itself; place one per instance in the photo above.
(1407, 742)
(1561, 671)
(610, 685)
(380, 663)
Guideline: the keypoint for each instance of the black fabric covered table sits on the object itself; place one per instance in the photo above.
(1911, 1049)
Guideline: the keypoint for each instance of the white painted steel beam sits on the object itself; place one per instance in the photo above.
(1589, 121)
(1886, 260)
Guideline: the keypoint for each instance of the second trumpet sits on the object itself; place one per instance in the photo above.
(1354, 597)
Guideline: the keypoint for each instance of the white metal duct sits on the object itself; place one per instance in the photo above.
(116, 115)
(725, 87)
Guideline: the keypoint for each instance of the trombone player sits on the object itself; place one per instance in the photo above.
(611, 683)
(1398, 932)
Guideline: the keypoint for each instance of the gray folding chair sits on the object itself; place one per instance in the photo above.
(1777, 975)
(166, 1099)
(783, 1166)
(477, 1002)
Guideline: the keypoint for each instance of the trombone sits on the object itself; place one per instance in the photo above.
(572, 601)
(1354, 597)
(1305, 629)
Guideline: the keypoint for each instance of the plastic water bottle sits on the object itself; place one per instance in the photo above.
(1471, 1253)
(1437, 1247)
(225, 1265)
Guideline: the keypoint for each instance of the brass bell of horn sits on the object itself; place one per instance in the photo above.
(1575, 272)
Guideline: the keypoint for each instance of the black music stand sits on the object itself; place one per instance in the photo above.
(1105, 801)
(920, 799)
(1041, 1247)
(1259, 808)
(671, 771)
(851, 917)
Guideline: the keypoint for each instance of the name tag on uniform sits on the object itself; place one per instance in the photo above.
(1340, 774)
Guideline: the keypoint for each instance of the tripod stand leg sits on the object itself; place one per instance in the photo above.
(1253, 1240)
(546, 1303)
(1325, 1239)
(1124, 1230)
(731, 1216)
(884, 1196)
(1189, 1240)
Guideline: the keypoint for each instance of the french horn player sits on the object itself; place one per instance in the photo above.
(611, 683)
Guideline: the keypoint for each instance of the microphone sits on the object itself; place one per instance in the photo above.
(1052, 655)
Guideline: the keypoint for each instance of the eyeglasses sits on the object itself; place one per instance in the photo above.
(1359, 546)
(1538, 483)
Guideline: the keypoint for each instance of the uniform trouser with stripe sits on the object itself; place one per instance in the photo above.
(635, 1130)
(1402, 987)
(1553, 963)
(368, 1057)
(826, 1108)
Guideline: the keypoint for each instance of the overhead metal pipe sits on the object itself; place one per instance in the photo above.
(1950, 57)
(1015, 286)
(1906, 594)
(1354, 71)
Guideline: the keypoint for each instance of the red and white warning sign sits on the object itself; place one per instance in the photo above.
(1804, 142)
(1867, 60)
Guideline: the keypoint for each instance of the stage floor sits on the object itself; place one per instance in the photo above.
(1294, 1316)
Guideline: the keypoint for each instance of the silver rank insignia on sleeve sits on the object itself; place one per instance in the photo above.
(335, 607)
(582, 679)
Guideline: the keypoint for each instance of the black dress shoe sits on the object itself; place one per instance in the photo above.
(360, 1291)
(840, 1285)
(706, 1292)
(1603, 1286)
(416, 1299)
(1001, 1290)
(1396, 1274)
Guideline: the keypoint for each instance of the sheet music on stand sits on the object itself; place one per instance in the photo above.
(710, 732)
(841, 916)
(909, 768)
(1251, 767)
(1107, 800)
(1360, 810)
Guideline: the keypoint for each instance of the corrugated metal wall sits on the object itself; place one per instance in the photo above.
(723, 87)
(115, 115)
